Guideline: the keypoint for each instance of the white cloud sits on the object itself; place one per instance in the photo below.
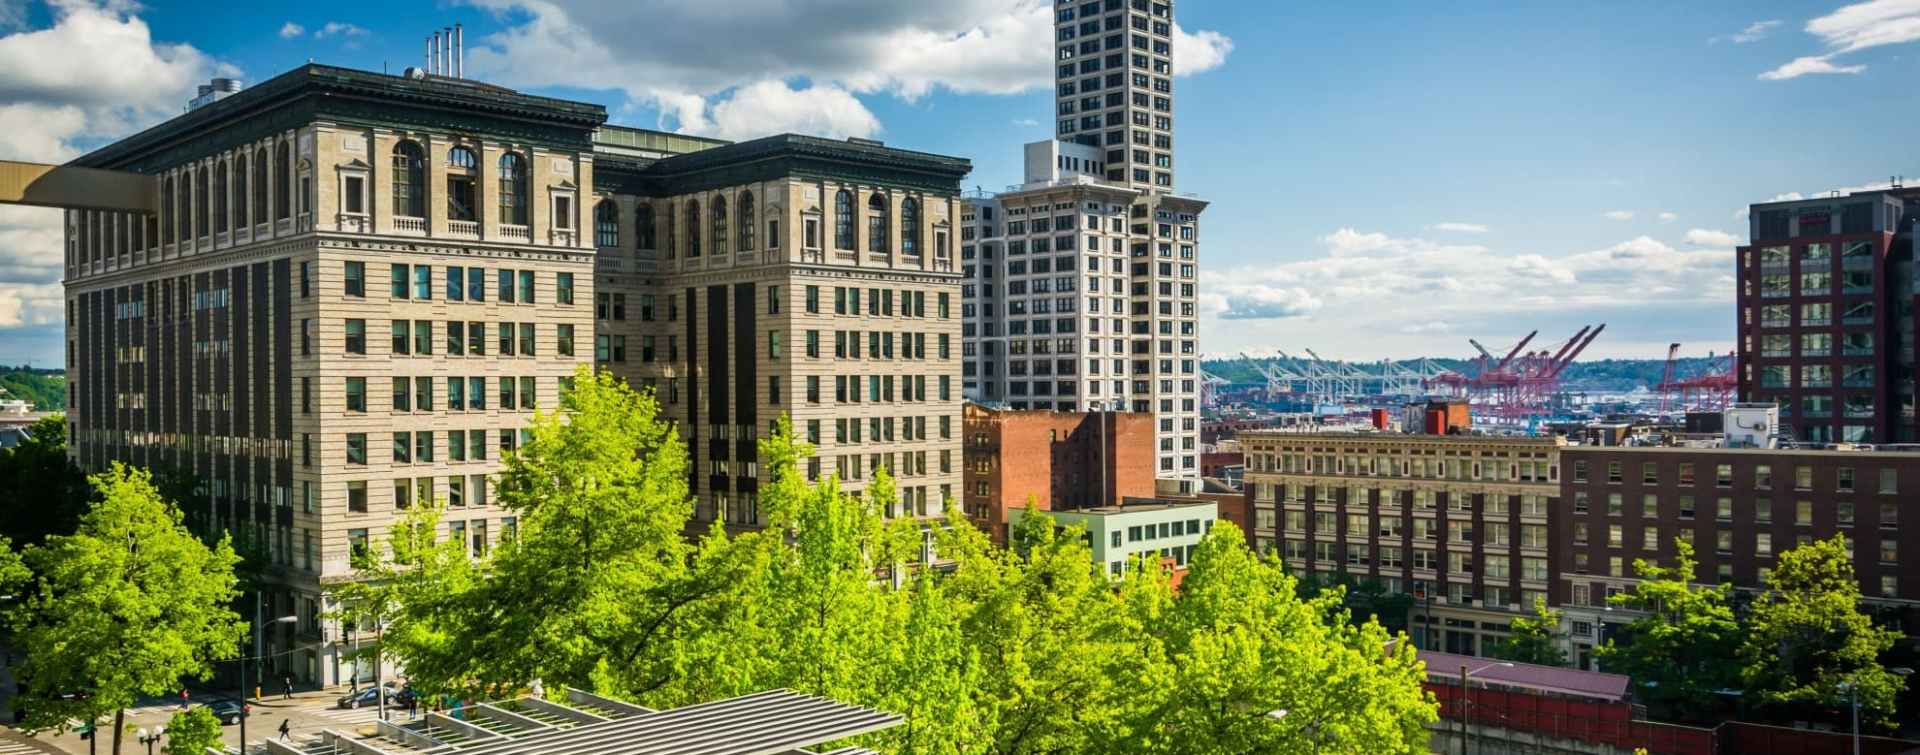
(94, 74)
(339, 29)
(1025, 122)
(1668, 217)
(290, 30)
(1852, 28)
(1754, 32)
(1808, 65)
(1402, 291)
(1460, 227)
(1715, 239)
(662, 54)
(1618, 215)
(772, 107)
(1198, 52)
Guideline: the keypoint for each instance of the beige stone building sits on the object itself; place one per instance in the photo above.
(1462, 520)
(356, 289)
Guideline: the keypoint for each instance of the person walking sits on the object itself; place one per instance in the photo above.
(287, 692)
(286, 730)
(183, 699)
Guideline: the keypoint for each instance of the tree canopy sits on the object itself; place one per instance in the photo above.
(126, 606)
(982, 649)
(1534, 639)
(1807, 642)
(1681, 652)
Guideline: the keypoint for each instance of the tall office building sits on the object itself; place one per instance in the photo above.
(1081, 282)
(347, 292)
(1827, 315)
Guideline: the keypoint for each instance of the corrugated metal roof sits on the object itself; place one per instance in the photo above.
(1445, 669)
(768, 723)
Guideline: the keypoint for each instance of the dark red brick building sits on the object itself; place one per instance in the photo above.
(1061, 460)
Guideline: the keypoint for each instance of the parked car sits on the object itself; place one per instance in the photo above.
(228, 711)
(368, 696)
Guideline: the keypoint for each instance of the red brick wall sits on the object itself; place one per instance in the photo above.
(1055, 458)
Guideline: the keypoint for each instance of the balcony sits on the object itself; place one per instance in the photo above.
(243, 235)
(466, 229)
(410, 226)
(519, 233)
(282, 226)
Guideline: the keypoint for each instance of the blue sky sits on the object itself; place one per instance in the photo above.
(1387, 178)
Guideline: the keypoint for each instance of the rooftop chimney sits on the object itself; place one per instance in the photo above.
(459, 47)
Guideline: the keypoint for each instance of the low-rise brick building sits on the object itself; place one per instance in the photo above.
(1059, 460)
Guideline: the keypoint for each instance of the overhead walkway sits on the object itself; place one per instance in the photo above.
(67, 187)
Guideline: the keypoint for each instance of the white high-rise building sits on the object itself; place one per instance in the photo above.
(1080, 284)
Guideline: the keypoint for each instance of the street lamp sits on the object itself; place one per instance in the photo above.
(148, 738)
(1853, 696)
(258, 631)
(1466, 700)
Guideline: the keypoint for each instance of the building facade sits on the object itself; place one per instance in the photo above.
(358, 288)
(1081, 282)
(1160, 531)
(1827, 316)
(1056, 460)
(1460, 522)
(1740, 508)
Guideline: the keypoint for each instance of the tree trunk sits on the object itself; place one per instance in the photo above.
(119, 724)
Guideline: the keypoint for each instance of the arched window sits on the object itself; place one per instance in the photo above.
(606, 224)
(693, 228)
(261, 182)
(166, 210)
(202, 202)
(910, 226)
(843, 220)
(219, 196)
(241, 198)
(463, 185)
(513, 189)
(643, 221)
(283, 172)
(877, 222)
(409, 180)
(744, 208)
(719, 224)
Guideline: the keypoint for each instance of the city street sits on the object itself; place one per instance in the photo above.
(309, 712)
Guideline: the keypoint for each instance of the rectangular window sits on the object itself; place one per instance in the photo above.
(563, 288)
(356, 279)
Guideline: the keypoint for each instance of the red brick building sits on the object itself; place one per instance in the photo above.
(1061, 460)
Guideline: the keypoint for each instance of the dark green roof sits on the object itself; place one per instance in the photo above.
(777, 157)
(317, 92)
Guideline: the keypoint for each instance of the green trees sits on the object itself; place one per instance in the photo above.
(990, 650)
(38, 470)
(1807, 642)
(127, 606)
(1534, 639)
(192, 731)
(1681, 652)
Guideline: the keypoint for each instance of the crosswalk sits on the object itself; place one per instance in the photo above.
(12, 743)
(361, 716)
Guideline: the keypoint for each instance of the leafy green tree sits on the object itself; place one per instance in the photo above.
(1808, 643)
(1682, 651)
(1365, 599)
(192, 731)
(1237, 647)
(1534, 639)
(419, 595)
(127, 606)
(38, 470)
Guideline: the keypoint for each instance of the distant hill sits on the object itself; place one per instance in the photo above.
(47, 389)
(1595, 375)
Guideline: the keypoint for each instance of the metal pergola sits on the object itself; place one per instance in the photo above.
(778, 722)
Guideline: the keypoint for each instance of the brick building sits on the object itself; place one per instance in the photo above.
(1460, 521)
(1827, 316)
(1062, 460)
(1741, 508)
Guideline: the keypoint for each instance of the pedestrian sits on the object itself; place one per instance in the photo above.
(286, 730)
(287, 694)
(355, 681)
(183, 699)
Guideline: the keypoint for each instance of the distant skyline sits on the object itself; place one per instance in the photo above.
(1388, 180)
